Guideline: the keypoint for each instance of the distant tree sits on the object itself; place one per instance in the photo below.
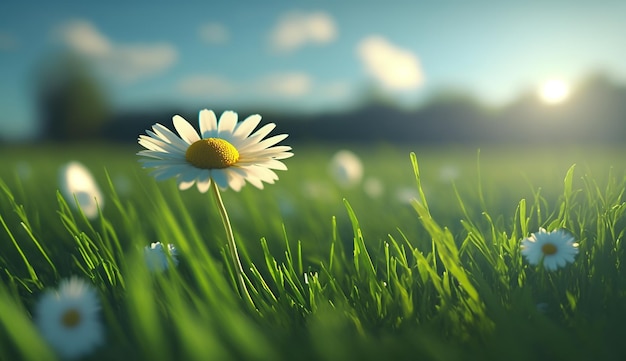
(601, 105)
(71, 103)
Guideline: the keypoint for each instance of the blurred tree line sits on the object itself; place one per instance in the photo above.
(71, 103)
(73, 107)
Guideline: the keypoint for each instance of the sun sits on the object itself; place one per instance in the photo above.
(554, 91)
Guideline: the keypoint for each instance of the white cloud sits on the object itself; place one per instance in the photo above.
(282, 85)
(214, 33)
(296, 29)
(395, 68)
(285, 84)
(84, 38)
(124, 61)
(206, 85)
(286, 89)
(337, 89)
(140, 61)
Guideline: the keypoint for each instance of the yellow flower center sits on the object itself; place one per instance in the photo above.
(548, 249)
(212, 153)
(71, 318)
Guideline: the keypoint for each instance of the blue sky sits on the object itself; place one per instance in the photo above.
(306, 55)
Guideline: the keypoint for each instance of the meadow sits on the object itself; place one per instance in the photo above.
(420, 259)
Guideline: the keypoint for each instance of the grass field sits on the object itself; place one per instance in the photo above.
(428, 266)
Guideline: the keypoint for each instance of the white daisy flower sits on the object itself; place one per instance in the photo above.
(68, 318)
(406, 195)
(318, 190)
(225, 152)
(155, 256)
(555, 249)
(449, 173)
(77, 181)
(373, 187)
(346, 168)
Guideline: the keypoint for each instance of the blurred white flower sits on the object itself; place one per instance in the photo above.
(448, 173)
(68, 318)
(156, 259)
(346, 168)
(77, 181)
(555, 249)
(319, 191)
(373, 187)
(406, 194)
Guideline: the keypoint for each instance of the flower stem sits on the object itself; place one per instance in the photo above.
(232, 246)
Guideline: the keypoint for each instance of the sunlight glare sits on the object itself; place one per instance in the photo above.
(554, 92)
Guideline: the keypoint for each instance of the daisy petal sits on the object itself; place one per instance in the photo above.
(227, 123)
(168, 136)
(257, 182)
(283, 155)
(183, 185)
(258, 135)
(270, 152)
(179, 146)
(246, 127)
(264, 144)
(265, 174)
(186, 130)
(274, 164)
(161, 155)
(219, 177)
(234, 179)
(168, 172)
(208, 123)
(204, 185)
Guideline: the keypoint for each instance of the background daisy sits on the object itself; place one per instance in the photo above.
(346, 168)
(556, 248)
(77, 181)
(155, 256)
(68, 318)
